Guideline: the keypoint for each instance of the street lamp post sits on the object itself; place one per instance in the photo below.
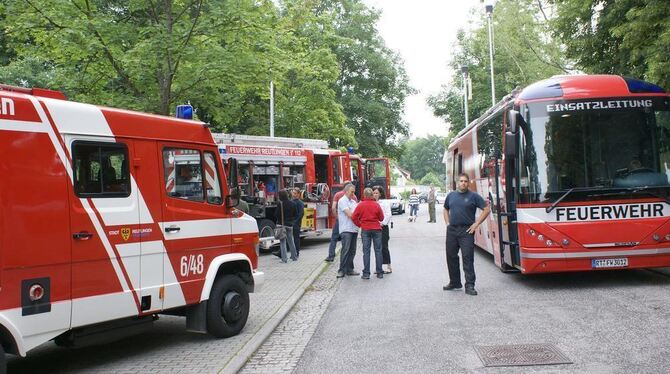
(464, 70)
(489, 14)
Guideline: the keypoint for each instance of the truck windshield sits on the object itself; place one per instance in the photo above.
(594, 147)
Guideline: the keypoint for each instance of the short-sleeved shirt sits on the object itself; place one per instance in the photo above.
(345, 223)
(462, 207)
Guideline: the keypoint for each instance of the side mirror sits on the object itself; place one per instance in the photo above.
(510, 145)
(232, 163)
(513, 121)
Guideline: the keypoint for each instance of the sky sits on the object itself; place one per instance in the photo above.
(424, 33)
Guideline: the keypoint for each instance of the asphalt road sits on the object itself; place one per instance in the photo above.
(607, 321)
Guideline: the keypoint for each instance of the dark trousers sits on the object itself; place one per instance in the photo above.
(334, 238)
(296, 236)
(386, 255)
(458, 238)
(372, 238)
(348, 251)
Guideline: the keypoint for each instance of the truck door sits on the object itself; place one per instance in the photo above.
(104, 213)
(378, 173)
(196, 226)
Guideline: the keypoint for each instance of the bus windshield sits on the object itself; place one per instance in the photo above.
(593, 147)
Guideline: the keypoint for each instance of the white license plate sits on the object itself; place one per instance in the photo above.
(598, 263)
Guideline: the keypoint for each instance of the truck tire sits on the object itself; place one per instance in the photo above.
(266, 228)
(228, 307)
(3, 360)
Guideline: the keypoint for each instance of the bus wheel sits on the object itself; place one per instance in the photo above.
(266, 228)
(228, 307)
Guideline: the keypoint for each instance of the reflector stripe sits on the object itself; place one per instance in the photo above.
(638, 252)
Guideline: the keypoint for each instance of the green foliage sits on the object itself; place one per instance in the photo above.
(524, 53)
(423, 155)
(626, 37)
(405, 195)
(334, 78)
(372, 85)
(434, 179)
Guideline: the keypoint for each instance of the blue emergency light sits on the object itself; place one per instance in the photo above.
(184, 111)
(350, 150)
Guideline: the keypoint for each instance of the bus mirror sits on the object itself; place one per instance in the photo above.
(513, 119)
(510, 145)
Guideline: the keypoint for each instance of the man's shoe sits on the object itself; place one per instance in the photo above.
(380, 275)
(471, 291)
(340, 274)
(329, 259)
(452, 286)
(365, 276)
(353, 273)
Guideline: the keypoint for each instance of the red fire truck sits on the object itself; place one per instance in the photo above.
(269, 164)
(111, 217)
(576, 169)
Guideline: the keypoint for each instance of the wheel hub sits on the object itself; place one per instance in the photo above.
(232, 306)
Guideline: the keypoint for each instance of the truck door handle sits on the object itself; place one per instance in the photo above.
(172, 229)
(83, 235)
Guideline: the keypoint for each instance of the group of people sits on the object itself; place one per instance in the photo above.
(288, 216)
(372, 216)
(415, 199)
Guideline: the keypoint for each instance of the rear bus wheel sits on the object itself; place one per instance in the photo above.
(228, 307)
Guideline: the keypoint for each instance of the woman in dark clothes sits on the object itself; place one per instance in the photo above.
(380, 195)
(285, 215)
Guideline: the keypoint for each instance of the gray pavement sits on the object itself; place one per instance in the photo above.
(169, 348)
(605, 322)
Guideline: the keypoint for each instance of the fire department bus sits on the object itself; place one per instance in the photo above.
(109, 218)
(576, 169)
(266, 165)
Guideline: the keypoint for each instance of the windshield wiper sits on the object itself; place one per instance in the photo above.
(553, 206)
(568, 192)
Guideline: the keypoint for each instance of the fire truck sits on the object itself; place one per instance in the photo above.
(110, 218)
(576, 170)
(266, 165)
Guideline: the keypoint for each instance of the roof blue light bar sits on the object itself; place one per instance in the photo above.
(184, 111)
(639, 86)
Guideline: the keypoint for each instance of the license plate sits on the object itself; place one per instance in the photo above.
(598, 263)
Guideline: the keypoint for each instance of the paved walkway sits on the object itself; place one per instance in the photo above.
(168, 348)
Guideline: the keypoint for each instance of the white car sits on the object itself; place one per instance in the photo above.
(440, 196)
(397, 205)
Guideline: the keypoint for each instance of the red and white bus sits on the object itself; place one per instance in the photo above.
(576, 169)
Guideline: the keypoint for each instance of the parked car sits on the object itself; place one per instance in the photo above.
(423, 197)
(440, 196)
(397, 205)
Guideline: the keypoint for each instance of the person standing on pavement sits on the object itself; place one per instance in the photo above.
(297, 223)
(285, 214)
(368, 215)
(335, 234)
(413, 205)
(380, 195)
(348, 231)
(431, 204)
(459, 215)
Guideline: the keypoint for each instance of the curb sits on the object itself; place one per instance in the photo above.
(244, 354)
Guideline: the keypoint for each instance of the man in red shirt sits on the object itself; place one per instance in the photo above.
(368, 216)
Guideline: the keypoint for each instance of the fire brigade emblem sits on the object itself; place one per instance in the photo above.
(125, 233)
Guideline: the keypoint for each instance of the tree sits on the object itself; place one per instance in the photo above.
(626, 37)
(422, 156)
(434, 179)
(524, 53)
(372, 84)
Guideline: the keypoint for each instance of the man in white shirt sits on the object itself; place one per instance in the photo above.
(348, 231)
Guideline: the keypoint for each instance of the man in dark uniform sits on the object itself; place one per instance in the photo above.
(297, 224)
(459, 215)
